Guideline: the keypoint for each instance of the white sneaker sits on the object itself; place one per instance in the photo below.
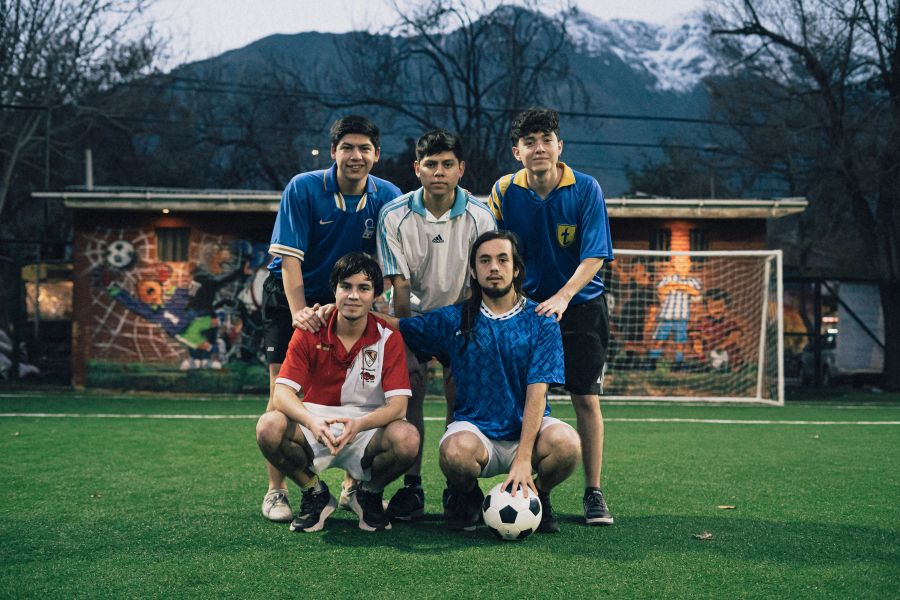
(347, 493)
(275, 506)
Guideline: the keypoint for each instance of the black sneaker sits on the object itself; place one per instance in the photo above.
(595, 510)
(315, 507)
(464, 509)
(407, 504)
(549, 523)
(446, 501)
(370, 508)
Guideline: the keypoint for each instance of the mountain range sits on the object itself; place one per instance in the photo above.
(629, 69)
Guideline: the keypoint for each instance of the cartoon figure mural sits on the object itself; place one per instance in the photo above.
(175, 317)
(719, 336)
(677, 291)
(200, 314)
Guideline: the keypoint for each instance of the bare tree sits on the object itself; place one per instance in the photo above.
(465, 66)
(829, 79)
(54, 53)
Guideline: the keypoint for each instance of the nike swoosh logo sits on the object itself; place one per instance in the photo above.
(321, 222)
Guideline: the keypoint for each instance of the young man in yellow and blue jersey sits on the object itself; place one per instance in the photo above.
(560, 217)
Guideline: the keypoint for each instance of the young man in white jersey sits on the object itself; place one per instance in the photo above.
(353, 377)
(424, 239)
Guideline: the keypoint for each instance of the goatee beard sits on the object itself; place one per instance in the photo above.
(492, 292)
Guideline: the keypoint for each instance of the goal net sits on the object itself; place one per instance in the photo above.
(695, 326)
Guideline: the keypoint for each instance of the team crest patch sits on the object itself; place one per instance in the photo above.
(370, 356)
(565, 234)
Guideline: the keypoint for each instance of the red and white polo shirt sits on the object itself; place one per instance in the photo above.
(337, 382)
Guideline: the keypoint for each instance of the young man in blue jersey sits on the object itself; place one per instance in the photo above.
(424, 238)
(504, 357)
(323, 216)
(560, 216)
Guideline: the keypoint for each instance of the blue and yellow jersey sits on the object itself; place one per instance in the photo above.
(557, 232)
(493, 368)
(318, 225)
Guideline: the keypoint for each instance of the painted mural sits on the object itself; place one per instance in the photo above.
(202, 314)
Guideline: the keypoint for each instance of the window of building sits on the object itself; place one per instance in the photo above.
(699, 240)
(661, 239)
(172, 244)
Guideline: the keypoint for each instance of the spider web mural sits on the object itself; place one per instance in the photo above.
(116, 332)
(198, 314)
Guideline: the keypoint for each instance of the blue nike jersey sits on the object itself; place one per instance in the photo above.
(505, 353)
(557, 232)
(318, 225)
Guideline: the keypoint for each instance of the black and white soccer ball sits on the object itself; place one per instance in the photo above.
(120, 254)
(511, 517)
(718, 360)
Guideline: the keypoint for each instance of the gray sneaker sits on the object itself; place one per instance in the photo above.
(275, 506)
(595, 509)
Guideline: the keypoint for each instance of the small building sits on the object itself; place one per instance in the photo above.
(168, 282)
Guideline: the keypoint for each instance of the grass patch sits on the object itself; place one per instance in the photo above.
(117, 507)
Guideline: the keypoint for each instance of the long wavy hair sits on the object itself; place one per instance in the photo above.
(472, 307)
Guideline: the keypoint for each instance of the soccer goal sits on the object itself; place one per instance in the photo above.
(695, 326)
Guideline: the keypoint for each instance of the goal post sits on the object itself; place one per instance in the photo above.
(695, 326)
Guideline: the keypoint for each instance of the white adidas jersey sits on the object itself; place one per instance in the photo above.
(432, 253)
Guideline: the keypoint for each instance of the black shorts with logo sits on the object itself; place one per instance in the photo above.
(276, 318)
(585, 337)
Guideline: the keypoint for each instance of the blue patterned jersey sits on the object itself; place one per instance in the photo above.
(318, 225)
(556, 233)
(505, 353)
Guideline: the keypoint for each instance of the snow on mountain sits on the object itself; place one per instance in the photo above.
(673, 54)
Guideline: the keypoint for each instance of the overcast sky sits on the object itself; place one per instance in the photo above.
(202, 28)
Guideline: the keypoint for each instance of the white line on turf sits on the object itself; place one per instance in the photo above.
(124, 416)
(608, 420)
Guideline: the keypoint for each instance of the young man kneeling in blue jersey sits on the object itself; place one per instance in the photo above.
(504, 357)
(355, 387)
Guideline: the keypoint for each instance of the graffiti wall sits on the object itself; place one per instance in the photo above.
(201, 314)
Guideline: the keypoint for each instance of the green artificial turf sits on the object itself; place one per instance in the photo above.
(149, 507)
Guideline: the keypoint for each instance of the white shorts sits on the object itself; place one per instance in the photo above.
(500, 452)
(349, 458)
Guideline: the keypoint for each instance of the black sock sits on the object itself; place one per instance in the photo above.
(589, 489)
(412, 480)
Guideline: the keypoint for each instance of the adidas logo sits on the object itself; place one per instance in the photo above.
(437, 239)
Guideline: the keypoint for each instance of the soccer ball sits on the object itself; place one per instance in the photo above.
(511, 517)
(718, 360)
(120, 254)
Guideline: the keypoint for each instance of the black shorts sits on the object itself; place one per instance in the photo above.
(276, 318)
(585, 337)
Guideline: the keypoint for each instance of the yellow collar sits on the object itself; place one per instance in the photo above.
(568, 177)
